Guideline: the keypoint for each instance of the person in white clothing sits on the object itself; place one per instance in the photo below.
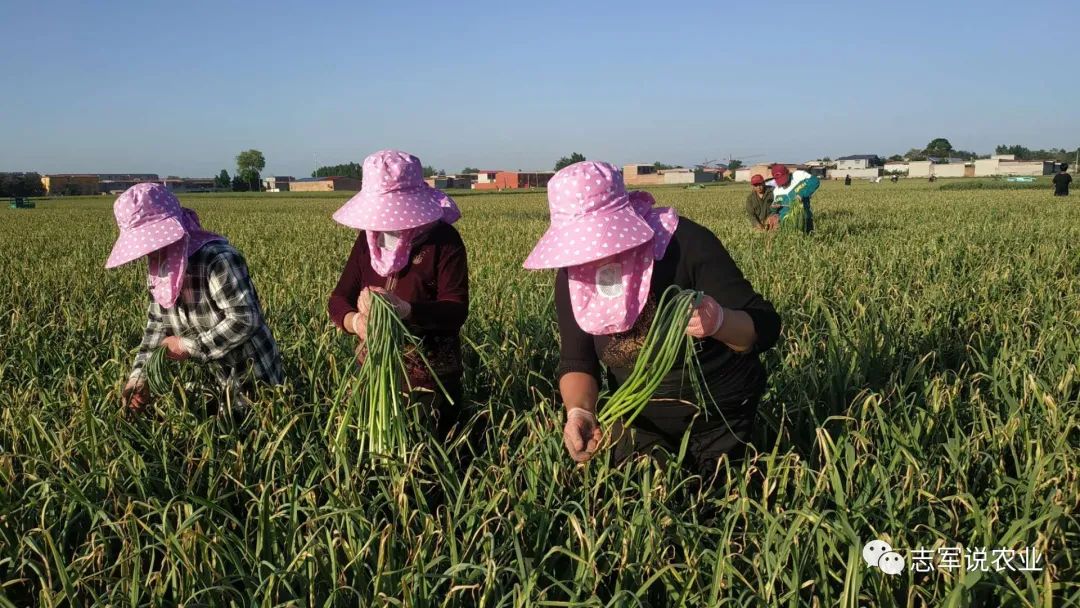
(791, 197)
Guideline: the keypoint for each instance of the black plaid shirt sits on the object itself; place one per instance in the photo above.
(219, 319)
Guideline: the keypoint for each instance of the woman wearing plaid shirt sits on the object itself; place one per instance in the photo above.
(203, 305)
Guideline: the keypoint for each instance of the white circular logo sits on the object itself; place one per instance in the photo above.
(609, 280)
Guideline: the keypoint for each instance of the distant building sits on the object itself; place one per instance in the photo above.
(325, 184)
(70, 183)
(1006, 164)
(649, 175)
(464, 181)
(277, 183)
(116, 183)
(682, 175)
(138, 178)
(514, 180)
(921, 168)
(485, 176)
(819, 168)
(865, 173)
(926, 168)
(959, 169)
(858, 161)
(718, 172)
(641, 175)
(442, 182)
(191, 184)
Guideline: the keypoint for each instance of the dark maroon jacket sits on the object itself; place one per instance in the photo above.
(435, 282)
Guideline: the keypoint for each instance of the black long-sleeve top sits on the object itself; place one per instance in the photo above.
(695, 259)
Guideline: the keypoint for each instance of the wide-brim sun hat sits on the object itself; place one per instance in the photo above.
(393, 196)
(591, 218)
(149, 218)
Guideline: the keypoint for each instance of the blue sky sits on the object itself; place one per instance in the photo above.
(181, 87)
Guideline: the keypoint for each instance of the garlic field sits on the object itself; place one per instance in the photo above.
(924, 392)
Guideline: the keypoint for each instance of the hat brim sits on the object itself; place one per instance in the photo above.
(135, 243)
(386, 211)
(588, 239)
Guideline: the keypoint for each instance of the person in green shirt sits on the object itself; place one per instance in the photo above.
(759, 205)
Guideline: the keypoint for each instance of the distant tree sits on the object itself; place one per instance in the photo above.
(566, 161)
(252, 178)
(1021, 152)
(1060, 155)
(21, 184)
(31, 185)
(826, 160)
(895, 158)
(1004, 149)
(915, 154)
(250, 160)
(735, 164)
(223, 181)
(239, 184)
(939, 147)
(429, 171)
(964, 154)
(346, 170)
(659, 166)
(249, 164)
(470, 170)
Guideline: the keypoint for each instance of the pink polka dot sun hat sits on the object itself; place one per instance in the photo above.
(394, 196)
(149, 218)
(591, 218)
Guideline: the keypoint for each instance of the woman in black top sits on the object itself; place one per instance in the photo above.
(733, 323)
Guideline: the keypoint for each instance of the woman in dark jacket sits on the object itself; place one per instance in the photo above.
(408, 251)
(615, 256)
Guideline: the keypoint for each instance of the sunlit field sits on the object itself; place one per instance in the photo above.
(924, 392)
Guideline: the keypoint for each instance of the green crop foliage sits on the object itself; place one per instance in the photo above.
(664, 343)
(924, 391)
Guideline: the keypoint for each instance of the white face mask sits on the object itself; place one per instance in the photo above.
(609, 280)
(389, 240)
